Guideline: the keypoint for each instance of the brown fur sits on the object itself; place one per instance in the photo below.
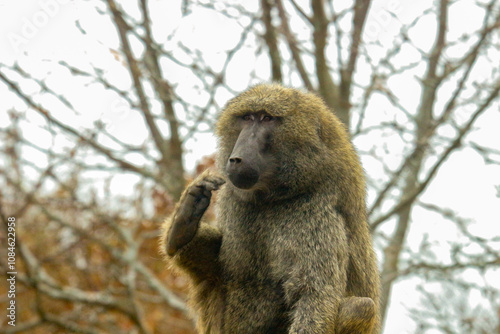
(294, 254)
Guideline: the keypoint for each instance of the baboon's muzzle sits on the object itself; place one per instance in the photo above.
(246, 161)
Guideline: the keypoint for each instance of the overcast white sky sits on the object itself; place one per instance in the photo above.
(38, 34)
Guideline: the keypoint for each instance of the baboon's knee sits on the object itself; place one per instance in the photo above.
(356, 315)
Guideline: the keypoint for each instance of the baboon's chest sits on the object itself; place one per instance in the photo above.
(252, 250)
(254, 296)
(245, 254)
(258, 247)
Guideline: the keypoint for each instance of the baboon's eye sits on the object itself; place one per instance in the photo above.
(267, 118)
(247, 117)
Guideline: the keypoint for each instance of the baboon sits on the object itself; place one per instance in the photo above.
(291, 250)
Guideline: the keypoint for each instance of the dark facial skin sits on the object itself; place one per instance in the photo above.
(251, 152)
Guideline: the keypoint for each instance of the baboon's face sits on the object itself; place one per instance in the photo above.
(275, 143)
(251, 156)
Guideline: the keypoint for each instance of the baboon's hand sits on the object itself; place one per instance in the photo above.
(194, 202)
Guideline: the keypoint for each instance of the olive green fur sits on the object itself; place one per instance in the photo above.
(292, 255)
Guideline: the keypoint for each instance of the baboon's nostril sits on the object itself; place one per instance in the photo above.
(235, 160)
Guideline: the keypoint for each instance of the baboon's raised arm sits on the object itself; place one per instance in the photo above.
(194, 245)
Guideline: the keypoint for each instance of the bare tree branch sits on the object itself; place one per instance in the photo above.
(271, 41)
(360, 12)
(292, 45)
(327, 88)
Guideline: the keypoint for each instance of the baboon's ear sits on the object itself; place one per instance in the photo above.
(320, 131)
(324, 131)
